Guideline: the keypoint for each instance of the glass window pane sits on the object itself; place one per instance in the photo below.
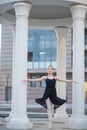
(42, 56)
(54, 64)
(42, 37)
(48, 44)
(47, 64)
(42, 65)
(36, 65)
(48, 36)
(8, 93)
(30, 65)
(36, 56)
(54, 44)
(42, 44)
(48, 58)
(53, 55)
(43, 84)
(33, 84)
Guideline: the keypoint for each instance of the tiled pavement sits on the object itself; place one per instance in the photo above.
(41, 125)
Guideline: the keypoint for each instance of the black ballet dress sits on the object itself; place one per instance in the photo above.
(50, 92)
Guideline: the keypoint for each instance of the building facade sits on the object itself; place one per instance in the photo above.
(68, 19)
(41, 53)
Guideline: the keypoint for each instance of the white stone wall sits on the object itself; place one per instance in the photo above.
(7, 48)
(6, 60)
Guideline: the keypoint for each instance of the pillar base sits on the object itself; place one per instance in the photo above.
(77, 123)
(20, 124)
(60, 117)
(8, 119)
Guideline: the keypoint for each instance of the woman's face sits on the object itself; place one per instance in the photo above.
(50, 70)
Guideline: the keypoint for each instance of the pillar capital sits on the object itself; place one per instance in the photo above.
(78, 12)
(22, 9)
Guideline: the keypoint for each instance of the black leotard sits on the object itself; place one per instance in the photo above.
(50, 92)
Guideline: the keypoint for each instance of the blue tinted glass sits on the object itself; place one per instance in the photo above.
(41, 43)
(48, 44)
(36, 56)
(53, 55)
(42, 37)
(54, 43)
(48, 56)
(42, 56)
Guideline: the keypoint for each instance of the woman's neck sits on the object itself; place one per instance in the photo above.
(50, 75)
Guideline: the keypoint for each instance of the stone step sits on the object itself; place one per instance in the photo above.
(4, 114)
(30, 108)
(33, 110)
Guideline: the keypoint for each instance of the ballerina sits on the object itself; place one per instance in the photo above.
(49, 100)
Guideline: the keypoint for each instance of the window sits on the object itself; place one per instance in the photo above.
(48, 57)
(8, 93)
(36, 56)
(30, 56)
(53, 55)
(86, 59)
(48, 44)
(43, 84)
(42, 44)
(33, 84)
(86, 36)
(42, 37)
(54, 45)
(85, 84)
(42, 56)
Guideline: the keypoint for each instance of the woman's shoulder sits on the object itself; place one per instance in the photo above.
(44, 77)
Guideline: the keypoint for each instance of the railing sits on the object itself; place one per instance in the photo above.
(40, 65)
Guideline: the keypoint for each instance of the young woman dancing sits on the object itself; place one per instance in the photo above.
(50, 100)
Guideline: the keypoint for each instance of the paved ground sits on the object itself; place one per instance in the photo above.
(41, 125)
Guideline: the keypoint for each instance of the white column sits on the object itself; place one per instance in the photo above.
(19, 118)
(61, 115)
(78, 120)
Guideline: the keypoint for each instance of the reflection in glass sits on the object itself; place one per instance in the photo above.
(41, 65)
(33, 84)
(42, 56)
(43, 84)
(42, 47)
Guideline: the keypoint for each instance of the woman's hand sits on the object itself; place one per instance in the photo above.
(26, 80)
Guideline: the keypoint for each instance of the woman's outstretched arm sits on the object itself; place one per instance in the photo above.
(67, 81)
(34, 80)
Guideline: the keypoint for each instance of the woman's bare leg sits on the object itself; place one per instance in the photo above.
(52, 107)
(49, 111)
